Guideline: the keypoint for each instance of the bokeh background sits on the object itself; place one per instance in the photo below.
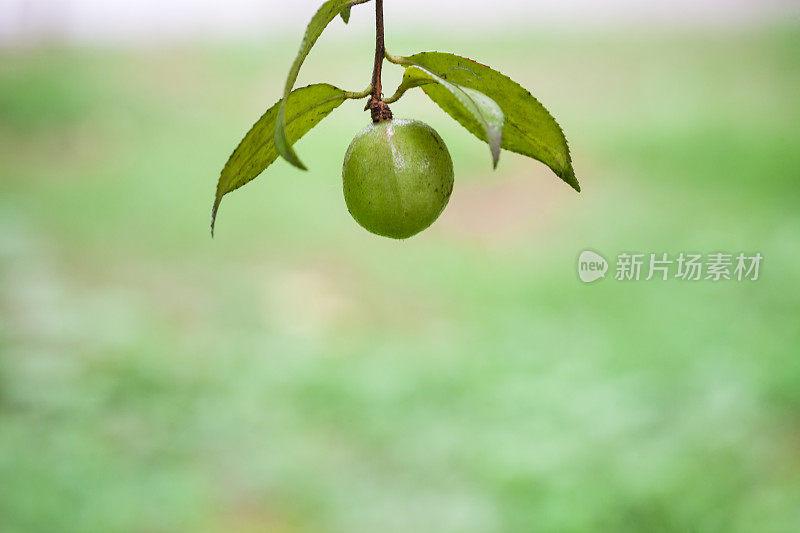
(297, 374)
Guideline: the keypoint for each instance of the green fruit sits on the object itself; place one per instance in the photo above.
(398, 177)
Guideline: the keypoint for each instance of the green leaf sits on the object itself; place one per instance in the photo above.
(529, 128)
(305, 108)
(477, 112)
(345, 14)
(319, 22)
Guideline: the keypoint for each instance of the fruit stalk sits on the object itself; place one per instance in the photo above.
(379, 109)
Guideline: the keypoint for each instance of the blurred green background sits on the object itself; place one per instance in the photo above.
(297, 374)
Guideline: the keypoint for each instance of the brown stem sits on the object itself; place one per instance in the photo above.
(380, 50)
(380, 111)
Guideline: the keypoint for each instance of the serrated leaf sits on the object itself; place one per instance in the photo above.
(329, 11)
(469, 106)
(345, 14)
(529, 128)
(305, 108)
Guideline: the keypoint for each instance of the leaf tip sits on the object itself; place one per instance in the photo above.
(495, 156)
(282, 144)
(295, 161)
(570, 179)
(286, 151)
(214, 210)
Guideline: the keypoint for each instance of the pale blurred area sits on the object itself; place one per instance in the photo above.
(137, 21)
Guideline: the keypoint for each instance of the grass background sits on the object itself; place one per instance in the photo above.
(299, 374)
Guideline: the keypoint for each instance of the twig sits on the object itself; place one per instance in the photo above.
(380, 111)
